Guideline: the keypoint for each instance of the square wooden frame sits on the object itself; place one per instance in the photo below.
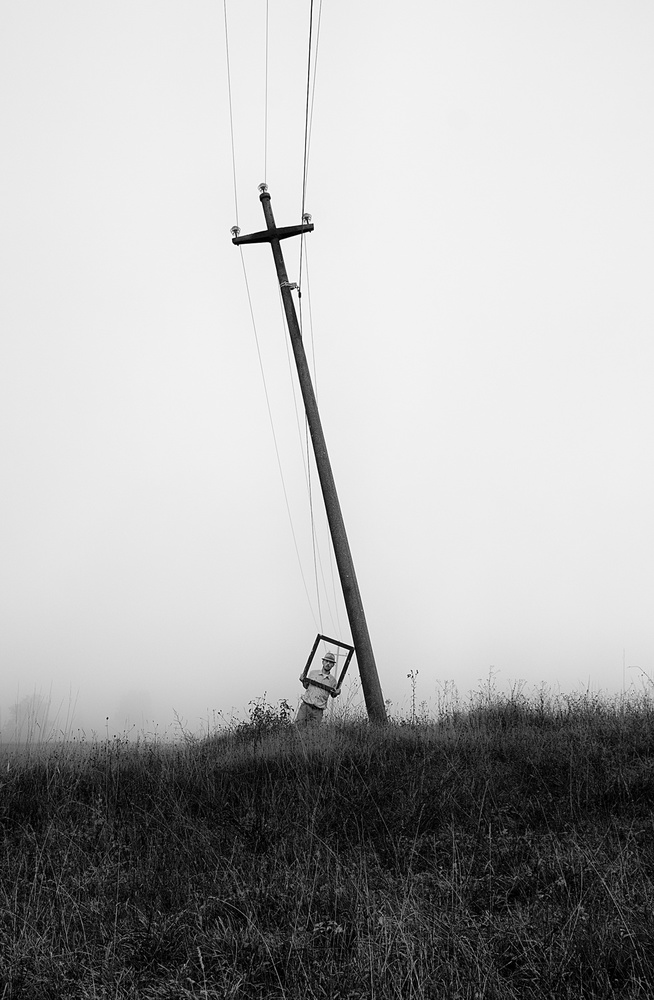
(332, 642)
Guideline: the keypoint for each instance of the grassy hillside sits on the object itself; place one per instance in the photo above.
(505, 851)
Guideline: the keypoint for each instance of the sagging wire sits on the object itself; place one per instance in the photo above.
(305, 451)
(307, 138)
(308, 122)
(316, 547)
(315, 379)
(289, 362)
(317, 558)
(311, 336)
(306, 112)
(249, 298)
(265, 107)
(313, 533)
(231, 113)
(318, 562)
(274, 435)
(313, 528)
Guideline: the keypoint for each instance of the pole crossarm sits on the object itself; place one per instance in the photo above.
(268, 235)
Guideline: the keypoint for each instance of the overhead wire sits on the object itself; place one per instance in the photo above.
(274, 435)
(305, 157)
(304, 444)
(231, 112)
(265, 105)
(312, 65)
(303, 437)
(311, 335)
(313, 539)
(300, 317)
(333, 609)
(308, 117)
(308, 121)
(315, 379)
(318, 563)
(251, 308)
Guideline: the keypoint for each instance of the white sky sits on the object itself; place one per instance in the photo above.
(481, 292)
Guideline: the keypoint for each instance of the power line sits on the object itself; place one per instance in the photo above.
(231, 113)
(306, 111)
(308, 120)
(315, 379)
(313, 533)
(313, 87)
(265, 110)
(309, 101)
(304, 190)
(311, 335)
(274, 435)
(303, 437)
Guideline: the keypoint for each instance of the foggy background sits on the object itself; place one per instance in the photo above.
(477, 305)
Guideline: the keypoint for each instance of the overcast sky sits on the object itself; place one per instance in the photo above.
(480, 291)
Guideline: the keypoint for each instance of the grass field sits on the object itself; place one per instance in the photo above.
(502, 851)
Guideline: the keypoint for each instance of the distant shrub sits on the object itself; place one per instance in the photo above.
(264, 720)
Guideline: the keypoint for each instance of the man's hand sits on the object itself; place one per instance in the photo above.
(336, 693)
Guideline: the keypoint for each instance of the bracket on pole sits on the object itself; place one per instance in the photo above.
(268, 235)
(273, 232)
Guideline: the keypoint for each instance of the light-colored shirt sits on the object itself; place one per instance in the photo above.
(314, 695)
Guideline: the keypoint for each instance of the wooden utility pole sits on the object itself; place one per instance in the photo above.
(365, 657)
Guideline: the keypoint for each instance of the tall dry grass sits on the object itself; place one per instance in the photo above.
(505, 850)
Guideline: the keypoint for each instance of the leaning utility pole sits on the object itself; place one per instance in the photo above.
(365, 657)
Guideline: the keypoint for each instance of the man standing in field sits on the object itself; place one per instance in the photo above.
(315, 698)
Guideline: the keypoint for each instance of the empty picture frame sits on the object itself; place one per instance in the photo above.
(331, 642)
